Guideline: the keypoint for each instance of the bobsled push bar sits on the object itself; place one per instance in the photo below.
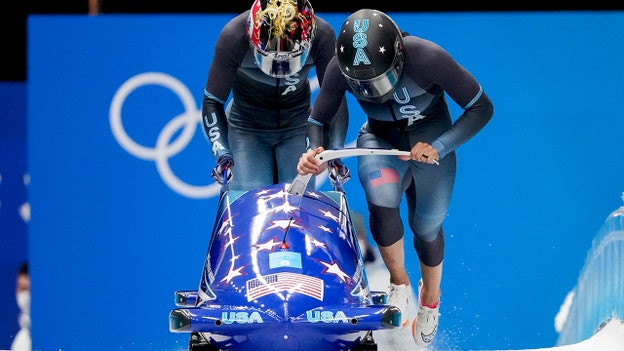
(300, 182)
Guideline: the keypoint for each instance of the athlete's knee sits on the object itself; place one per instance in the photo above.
(430, 253)
(385, 224)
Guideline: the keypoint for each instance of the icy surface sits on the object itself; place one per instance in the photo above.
(609, 338)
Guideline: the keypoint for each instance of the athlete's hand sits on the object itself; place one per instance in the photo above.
(225, 162)
(309, 164)
(338, 171)
(423, 152)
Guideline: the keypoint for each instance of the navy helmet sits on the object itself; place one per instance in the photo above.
(370, 54)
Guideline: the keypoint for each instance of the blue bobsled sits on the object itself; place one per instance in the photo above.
(283, 271)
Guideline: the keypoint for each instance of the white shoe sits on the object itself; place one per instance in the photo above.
(399, 296)
(425, 325)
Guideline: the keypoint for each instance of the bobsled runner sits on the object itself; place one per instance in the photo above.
(284, 271)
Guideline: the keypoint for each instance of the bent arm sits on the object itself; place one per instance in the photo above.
(335, 133)
(465, 91)
(330, 109)
(471, 121)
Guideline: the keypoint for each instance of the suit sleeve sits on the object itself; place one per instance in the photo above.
(461, 86)
(229, 51)
(335, 132)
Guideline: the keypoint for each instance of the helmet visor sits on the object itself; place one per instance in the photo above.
(280, 64)
(378, 88)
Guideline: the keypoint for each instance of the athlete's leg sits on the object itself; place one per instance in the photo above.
(393, 254)
(381, 177)
(288, 150)
(428, 199)
(253, 159)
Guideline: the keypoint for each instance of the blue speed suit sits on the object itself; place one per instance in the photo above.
(264, 129)
(416, 111)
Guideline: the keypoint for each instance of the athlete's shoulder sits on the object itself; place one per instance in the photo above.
(423, 51)
(236, 27)
(412, 43)
(324, 41)
(233, 41)
(321, 22)
(333, 74)
(324, 29)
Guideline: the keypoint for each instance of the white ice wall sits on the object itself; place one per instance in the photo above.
(599, 293)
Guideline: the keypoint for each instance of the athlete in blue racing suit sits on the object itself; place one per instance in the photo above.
(400, 82)
(263, 58)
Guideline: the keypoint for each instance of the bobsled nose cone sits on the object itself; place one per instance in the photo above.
(179, 321)
(285, 342)
(392, 317)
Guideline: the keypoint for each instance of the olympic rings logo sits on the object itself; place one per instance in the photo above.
(165, 148)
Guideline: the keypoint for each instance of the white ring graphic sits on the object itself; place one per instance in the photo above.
(164, 148)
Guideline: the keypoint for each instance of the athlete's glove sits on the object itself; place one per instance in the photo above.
(338, 172)
(225, 163)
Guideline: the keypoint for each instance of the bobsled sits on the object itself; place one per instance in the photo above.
(284, 271)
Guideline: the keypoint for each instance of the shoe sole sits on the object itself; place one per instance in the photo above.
(420, 344)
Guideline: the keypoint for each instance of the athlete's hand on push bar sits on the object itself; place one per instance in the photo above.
(423, 152)
(308, 164)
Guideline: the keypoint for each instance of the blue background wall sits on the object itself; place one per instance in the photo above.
(13, 196)
(119, 223)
